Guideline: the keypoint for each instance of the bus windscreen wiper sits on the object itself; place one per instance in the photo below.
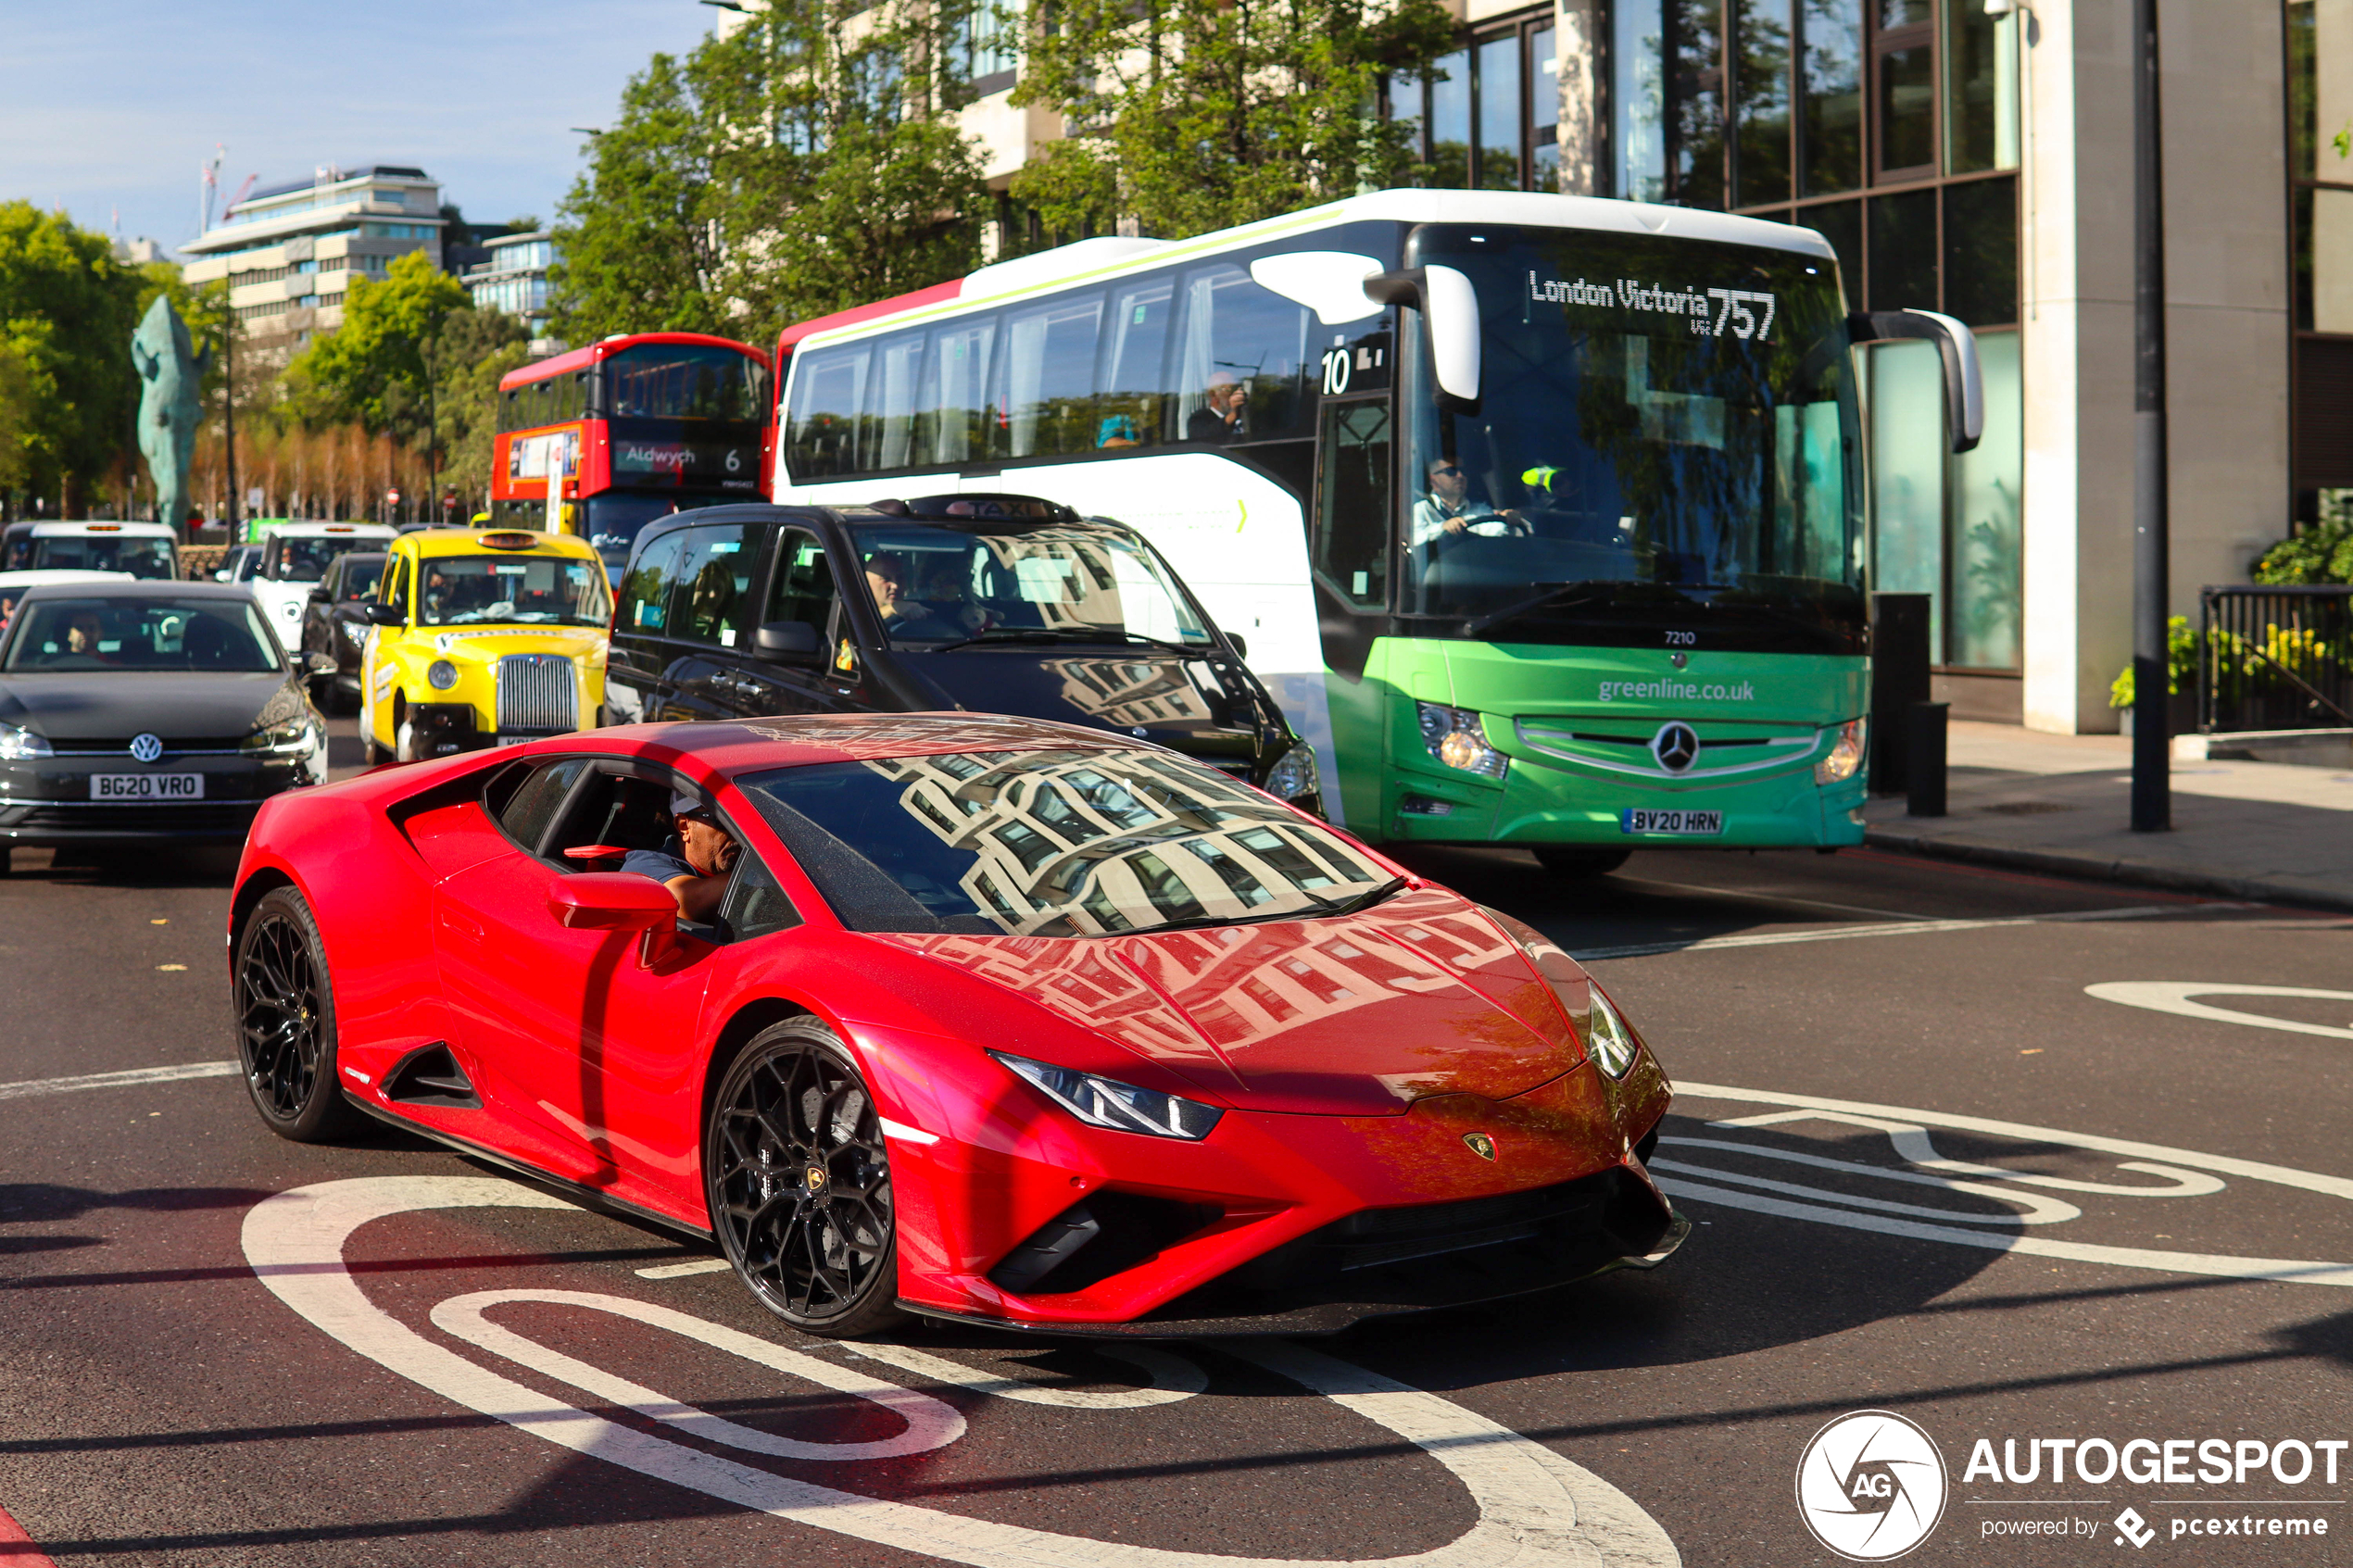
(1548, 593)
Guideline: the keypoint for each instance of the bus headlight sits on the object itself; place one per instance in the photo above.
(441, 674)
(1847, 755)
(1294, 776)
(1455, 737)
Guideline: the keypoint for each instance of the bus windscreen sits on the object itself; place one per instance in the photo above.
(1666, 434)
(685, 381)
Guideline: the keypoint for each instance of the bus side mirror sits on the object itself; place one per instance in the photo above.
(785, 639)
(1448, 307)
(1955, 345)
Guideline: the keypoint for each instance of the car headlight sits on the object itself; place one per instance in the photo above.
(16, 745)
(1847, 755)
(287, 737)
(1124, 1107)
(441, 674)
(1295, 776)
(1456, 738)
(1607, 1039)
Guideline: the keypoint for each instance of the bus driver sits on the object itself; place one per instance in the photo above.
(1448, 508)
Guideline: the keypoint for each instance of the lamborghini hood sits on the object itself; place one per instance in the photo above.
(1355, 1015)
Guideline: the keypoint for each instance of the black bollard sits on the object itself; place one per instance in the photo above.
(1899, 678)
(1924, 759)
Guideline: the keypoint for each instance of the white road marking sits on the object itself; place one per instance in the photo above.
(1912, 1146)
(1535, 1509)
(1765, 896)
(23, 1087)
(930, 1424)
(680, 1271)
(2173, 996)
(1908, 1126)
(2038, 1210)
(1173, 1377)
(1899, 927)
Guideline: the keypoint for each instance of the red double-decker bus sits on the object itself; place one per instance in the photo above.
(633, 427)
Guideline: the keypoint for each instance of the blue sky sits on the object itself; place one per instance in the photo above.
(117, 104)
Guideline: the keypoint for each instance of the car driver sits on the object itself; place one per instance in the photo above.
(694, 864)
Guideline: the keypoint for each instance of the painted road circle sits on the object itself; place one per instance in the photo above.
(1535, 1509)
(2155, 1172)
(2176, 996)
(1872, 1486)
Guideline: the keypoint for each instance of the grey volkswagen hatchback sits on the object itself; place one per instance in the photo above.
(147, 711)
(989, 604)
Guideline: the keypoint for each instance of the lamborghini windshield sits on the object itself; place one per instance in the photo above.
(1078, 843)
(1666, 438)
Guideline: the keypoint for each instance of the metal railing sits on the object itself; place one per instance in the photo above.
(2275, 658)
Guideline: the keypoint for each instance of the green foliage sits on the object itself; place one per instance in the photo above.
(801, 164)
(2323, 553)
(475, 350)
(1194, 115)
(16, 416)
(373, 370)
(67, 309)
(2180, 663)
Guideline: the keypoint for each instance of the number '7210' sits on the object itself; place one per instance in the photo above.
(1735, 304)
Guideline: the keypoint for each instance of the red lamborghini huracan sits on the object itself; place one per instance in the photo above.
(998, 1019)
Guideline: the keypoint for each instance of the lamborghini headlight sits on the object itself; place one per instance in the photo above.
(1455, 737)
(1294, 777)
(1847, 755)
(16, 745)
(1607, 1039)
(441, 674)
(1107, 1102)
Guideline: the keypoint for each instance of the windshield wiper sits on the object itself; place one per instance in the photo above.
(1357, 901)
(1550, 592)
(1324, 908)
(1066, 635)
(998, 634)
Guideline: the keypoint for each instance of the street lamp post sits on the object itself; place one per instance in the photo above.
(2152, 747)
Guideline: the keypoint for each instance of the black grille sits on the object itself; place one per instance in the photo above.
(114, 746)
(198, 817)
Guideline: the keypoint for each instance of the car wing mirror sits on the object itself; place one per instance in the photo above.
(1448, 307)
(611, 901)
(589, 854)
(1239, 643)
(1955, 345)
(384, 615)
(785, 639)
(320, 596)
(320, 663)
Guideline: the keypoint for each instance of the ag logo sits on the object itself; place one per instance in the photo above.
(1676, 747)
(1871, 1485)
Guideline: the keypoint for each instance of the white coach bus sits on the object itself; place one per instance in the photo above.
(1541, 516)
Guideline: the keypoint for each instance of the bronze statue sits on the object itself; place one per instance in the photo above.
(170, 407)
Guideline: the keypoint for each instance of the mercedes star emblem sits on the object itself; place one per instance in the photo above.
(1676, 746)
(145, 749)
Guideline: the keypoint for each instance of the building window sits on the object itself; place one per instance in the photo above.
(1488, 117)
(2319, 71)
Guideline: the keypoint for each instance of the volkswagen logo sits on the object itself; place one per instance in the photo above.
(145, 749)
(1676, 747)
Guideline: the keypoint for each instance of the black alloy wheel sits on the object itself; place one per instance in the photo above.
(286, 1018)
(1573, 863)
(798, 1182)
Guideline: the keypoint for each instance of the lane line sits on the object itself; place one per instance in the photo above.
(680, 1271)
(1843, 933)
(2173, 996)
(1173, 1377)
(1765, 896)
(24, 1087)
(2291, 1269)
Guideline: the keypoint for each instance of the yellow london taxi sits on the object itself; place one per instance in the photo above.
(481, 639)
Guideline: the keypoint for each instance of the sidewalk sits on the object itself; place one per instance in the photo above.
(2062, 804)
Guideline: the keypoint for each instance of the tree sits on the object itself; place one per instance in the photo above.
(475, 350)
(372, 368)
(1192, 115)
(67, 309)
(806, 162)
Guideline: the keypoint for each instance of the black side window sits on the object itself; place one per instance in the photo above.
(756, 905)
(804, 583)
(533, 804)
(709, 583)
(645, 591)
(1350, 543)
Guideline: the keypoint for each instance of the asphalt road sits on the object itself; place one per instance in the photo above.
(161, 1403)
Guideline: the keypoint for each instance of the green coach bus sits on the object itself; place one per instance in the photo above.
(1543, 517)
